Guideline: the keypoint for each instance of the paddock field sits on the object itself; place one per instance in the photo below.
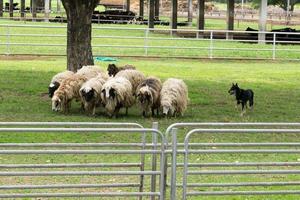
(23, 97)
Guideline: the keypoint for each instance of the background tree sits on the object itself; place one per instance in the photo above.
(281, 3)
(79, 32)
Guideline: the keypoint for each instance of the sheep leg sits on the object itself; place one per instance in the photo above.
(152, 110)
(126, 112)
(144, 113)
(157, 111)
(94, 111)
(117, 112)
(68, 106)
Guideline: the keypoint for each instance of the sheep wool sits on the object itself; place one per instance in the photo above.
(91, 71)
(134, 76)
(174, 97)
(67, 91)
(148, 95)
(57, 80)
(90, 93)
(117, 93)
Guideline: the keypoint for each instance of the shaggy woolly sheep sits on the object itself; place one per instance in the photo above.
(90, 93)
(117, 93)
(57, 80)
(134, 76)
(173, 97)
(67, 91)
(112, 69)
(148, 95)
(91, 71)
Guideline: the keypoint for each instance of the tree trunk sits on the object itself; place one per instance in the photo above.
(79, 32)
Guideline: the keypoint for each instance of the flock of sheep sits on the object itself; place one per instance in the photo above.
(117, 88)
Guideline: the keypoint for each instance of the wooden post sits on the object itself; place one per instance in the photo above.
(262, 20)
(33, 9)
(47, 10)
(200, 24)
(190, 12)
(1, 8)
(174, 14)
(22, 8)
(151, 14)
(230, 17)
(11, 8)
(156, 9)
(128, 5)
(142, 9)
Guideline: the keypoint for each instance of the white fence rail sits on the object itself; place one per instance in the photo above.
(144, 42)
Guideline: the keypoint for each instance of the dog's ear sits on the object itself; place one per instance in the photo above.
(236, 84)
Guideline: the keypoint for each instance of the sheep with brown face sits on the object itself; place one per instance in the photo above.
(67, 91)
(117, 93)
(57, 80)
(173, 97)
(112, 69)
(148, 95)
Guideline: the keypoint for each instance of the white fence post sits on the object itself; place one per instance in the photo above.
(7, 40)
(211, 45)
(146, 41)
(274, 47)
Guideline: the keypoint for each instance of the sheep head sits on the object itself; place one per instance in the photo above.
(56, 103)
(112, 69)
(167, 108)
(87, 93)
(109, 98)
(144, 96)
(52, 88)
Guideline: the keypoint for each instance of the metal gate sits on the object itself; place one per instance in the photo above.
(180, 172)
(41, 165)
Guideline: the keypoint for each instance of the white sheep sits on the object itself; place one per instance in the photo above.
(174, 97)
(117, 93)
(134, 76)
(67, 91)
(148, 95)
(90, 93)
(57, 80)
(91, 71)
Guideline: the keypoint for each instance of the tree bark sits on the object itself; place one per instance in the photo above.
(1, 8)
(79, 32)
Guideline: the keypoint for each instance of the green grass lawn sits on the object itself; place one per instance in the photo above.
(23, 97)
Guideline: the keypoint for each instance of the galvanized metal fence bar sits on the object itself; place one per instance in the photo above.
(187, 172)
(174, 164)
(154, 159)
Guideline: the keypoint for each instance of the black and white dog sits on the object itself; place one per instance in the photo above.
(242, 96)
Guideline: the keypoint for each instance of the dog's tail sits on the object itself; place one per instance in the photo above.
(251, 101)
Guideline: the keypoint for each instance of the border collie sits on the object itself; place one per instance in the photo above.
(242, 96)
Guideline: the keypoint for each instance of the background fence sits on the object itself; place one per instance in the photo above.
(93, 169)
(143, 42)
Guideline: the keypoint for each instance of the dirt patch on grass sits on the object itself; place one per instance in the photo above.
(23, 57)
